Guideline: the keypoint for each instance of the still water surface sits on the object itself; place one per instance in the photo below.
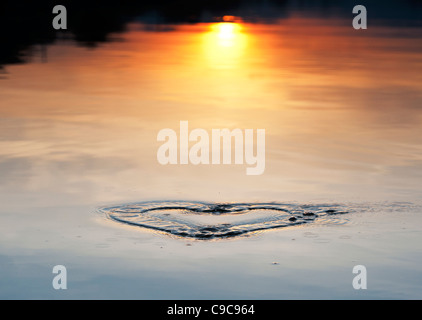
(78, 129)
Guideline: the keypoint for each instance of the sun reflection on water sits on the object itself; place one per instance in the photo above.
(225, 44)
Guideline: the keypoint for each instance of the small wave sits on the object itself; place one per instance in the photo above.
(201, 220)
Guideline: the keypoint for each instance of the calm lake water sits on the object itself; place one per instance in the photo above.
(343, 119)
(341, 110)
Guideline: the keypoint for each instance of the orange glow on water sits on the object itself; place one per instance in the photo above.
(334, 110)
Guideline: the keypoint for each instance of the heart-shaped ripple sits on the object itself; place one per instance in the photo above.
(201, 220)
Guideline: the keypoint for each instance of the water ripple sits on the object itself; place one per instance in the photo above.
(201, 220)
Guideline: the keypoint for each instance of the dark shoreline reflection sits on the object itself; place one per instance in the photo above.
(24, 24)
